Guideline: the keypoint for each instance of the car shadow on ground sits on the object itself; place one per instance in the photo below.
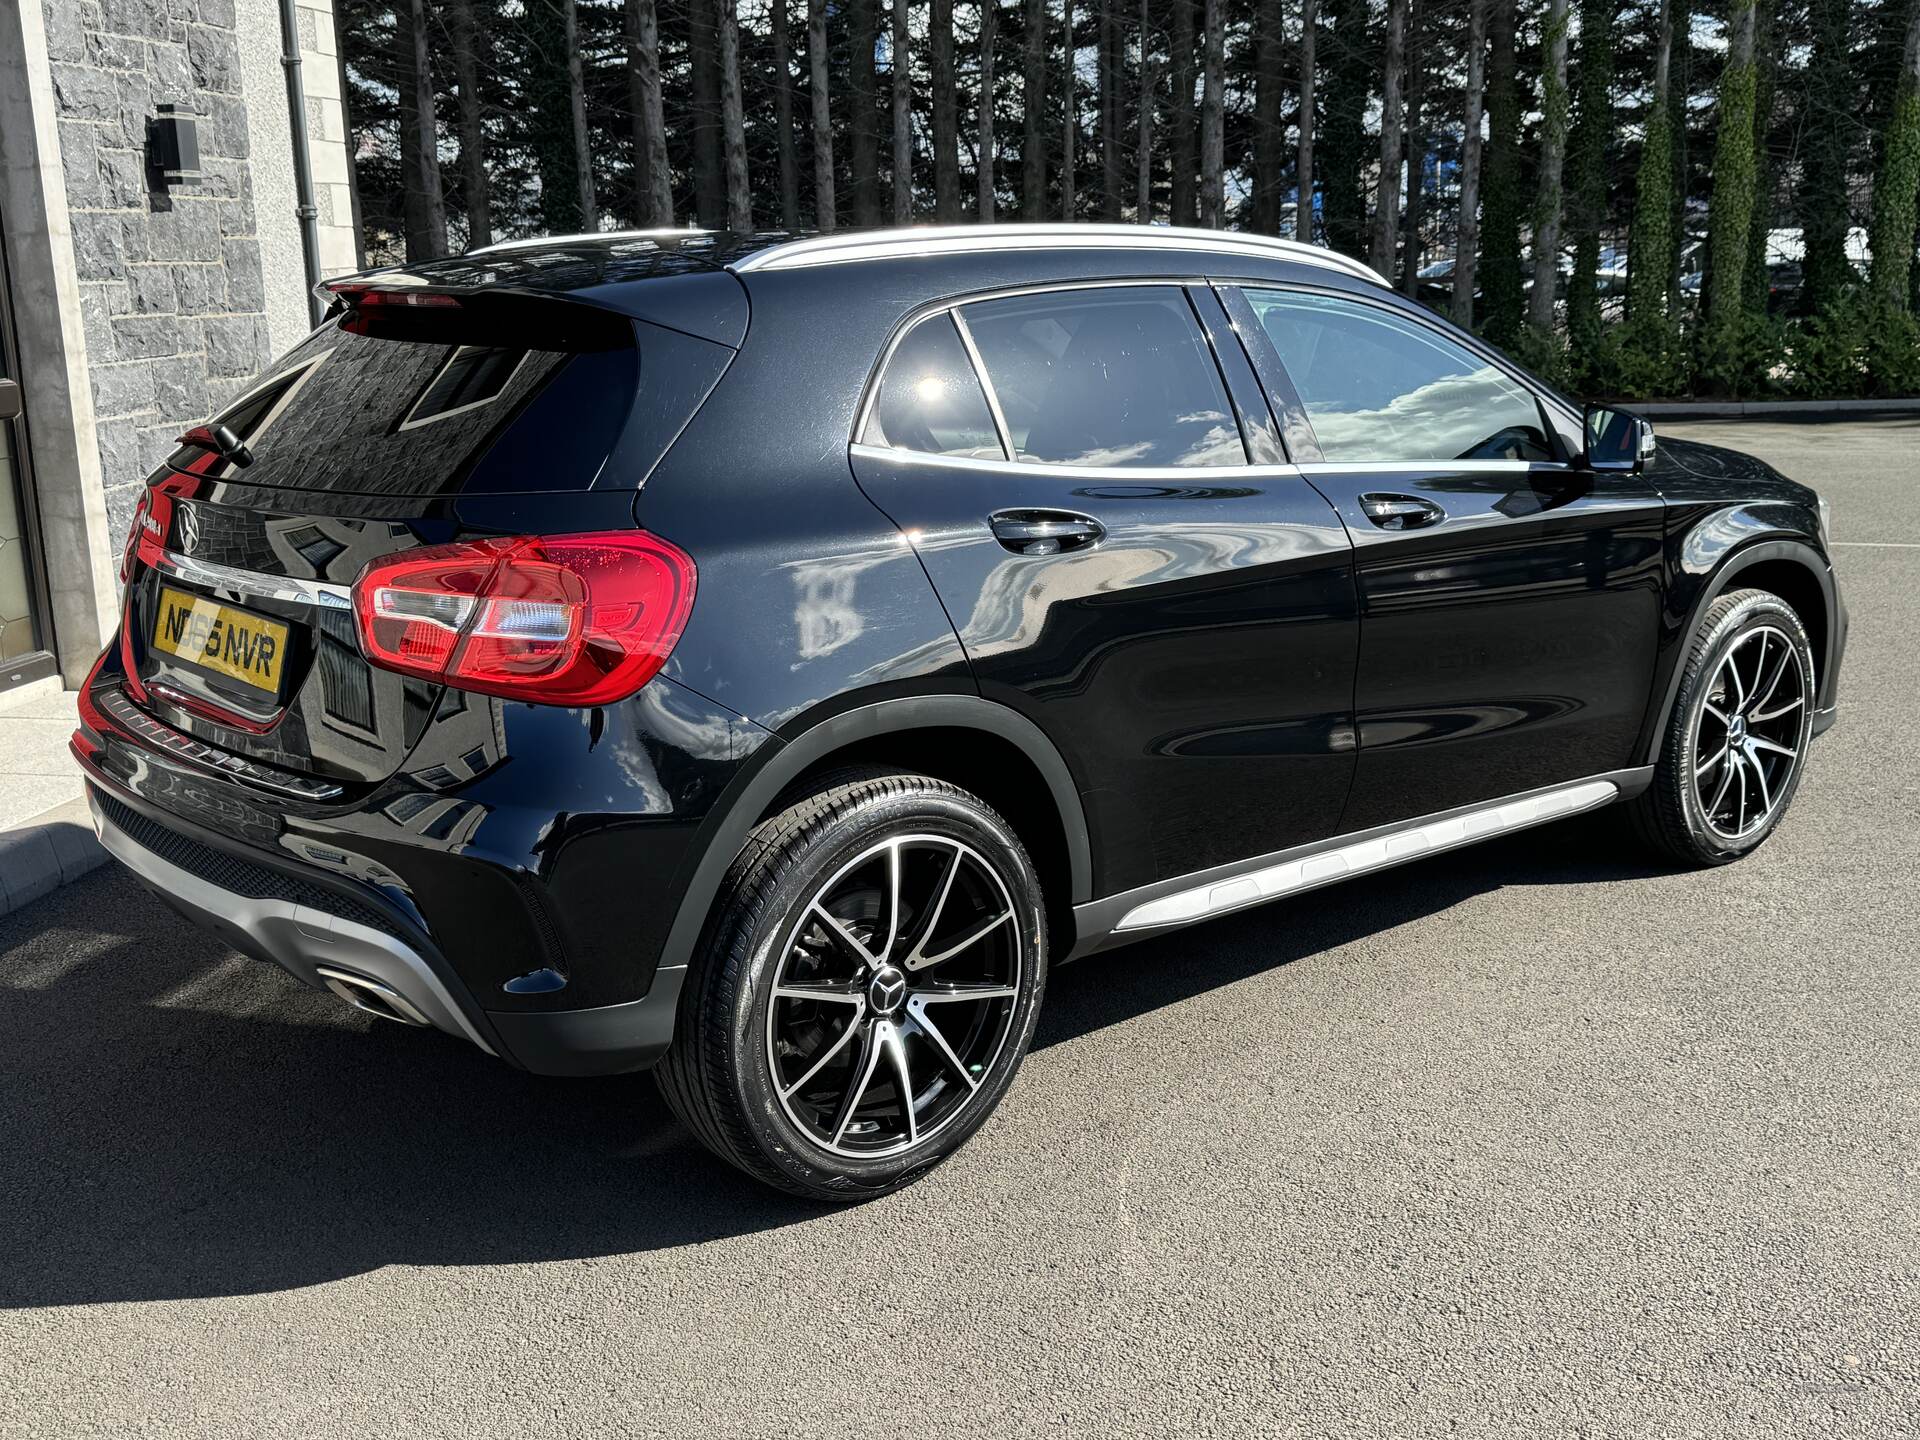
(176, 1122)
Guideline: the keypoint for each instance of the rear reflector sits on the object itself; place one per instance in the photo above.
(554, 620)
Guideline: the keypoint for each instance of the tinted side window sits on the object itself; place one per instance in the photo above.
(1381, 387)
(930, 400)
(1117, 376)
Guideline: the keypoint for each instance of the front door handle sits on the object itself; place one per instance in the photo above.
(1045, 532)
(1400, 512)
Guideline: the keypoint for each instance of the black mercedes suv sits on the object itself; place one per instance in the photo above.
(763, 656)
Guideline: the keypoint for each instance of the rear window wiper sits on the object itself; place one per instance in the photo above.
(221, 440)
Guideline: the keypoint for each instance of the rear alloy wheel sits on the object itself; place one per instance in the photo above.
(868, 992)
(1735, 744)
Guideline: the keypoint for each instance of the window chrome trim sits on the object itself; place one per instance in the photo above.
(923, 241)
(985, 382)
(1427, 467)
(1055, 470)
(319, 593)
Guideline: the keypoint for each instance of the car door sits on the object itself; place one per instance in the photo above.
(1178, 619)
(1509, 597)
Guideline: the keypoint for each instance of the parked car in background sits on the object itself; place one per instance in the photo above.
(765, 658)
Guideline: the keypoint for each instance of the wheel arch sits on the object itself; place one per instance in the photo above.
(984, 747)
(1789, 568)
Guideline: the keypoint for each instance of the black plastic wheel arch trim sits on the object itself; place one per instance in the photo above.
(1730, 568)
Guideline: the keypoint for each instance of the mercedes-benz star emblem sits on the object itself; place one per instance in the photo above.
(888, 988)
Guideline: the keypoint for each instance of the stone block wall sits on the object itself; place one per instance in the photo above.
(171, 287)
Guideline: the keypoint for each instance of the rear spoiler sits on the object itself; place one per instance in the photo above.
(402, 306)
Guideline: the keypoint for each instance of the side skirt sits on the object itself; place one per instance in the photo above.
(1167, 905)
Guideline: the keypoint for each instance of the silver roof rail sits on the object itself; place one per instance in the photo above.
(962, 239)
(531, 240)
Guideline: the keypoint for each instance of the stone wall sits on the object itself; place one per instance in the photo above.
(171, 283)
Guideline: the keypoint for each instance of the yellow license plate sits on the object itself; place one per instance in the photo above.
(236, 643)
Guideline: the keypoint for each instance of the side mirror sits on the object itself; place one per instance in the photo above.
(1617, 440)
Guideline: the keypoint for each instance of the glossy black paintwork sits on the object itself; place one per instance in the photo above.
(1195, 674)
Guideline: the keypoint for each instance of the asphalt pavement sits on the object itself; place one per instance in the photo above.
(1534, 1139)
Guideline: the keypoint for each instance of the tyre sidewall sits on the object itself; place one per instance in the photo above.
(931, 811)
(1730, 621)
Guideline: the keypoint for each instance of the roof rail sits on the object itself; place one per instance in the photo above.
(534, 240)
(960, 239)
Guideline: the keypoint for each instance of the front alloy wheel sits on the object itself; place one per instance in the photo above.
(1736, 741)
(866, 991)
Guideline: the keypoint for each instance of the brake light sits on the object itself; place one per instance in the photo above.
(554, 620)
(142, 517)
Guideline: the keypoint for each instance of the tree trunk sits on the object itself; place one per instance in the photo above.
(1413, 249)
(577, 108)
(733, 119)
(1269, 28)
(782, 114)
(1553, 154)
(1592, 125)
(1143, 154)
(820, 119)
(424, 210)
(1897, 187)
(473, 160)
(1303, 161)
(1466, 245)
(1070, 97)
(1213, 132)
(1386, 210)
(983, 126)
(652, 172)
(1730, 210)
(1832, 96)
(1500, 204)
(1033, 149)
(1109, 59)
(863, 118)
(353, 165)
(1184, 158)
(901, 66)
(703, 115)
(1769, 43)
(946, 117)
(1650, 251)
(1343, 141)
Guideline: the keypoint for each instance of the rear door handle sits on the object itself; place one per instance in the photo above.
(1045, 532)
(1400, 512)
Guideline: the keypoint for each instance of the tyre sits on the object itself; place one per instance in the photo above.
(865, 991)
(1734, 746)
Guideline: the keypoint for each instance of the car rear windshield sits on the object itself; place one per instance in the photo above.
(433, 404)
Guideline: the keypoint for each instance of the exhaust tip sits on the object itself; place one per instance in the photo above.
(371, 996)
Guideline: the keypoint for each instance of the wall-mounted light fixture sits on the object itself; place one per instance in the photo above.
(173, 145)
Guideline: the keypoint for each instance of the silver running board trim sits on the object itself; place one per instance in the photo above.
(308, 944)
(1420, 837)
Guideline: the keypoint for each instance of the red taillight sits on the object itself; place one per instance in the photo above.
(142, 517)
(556, 620)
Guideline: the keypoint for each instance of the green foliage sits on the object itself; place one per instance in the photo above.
(1650, 256)
(1730, 212)
(1542, 352)
(1646, 359)
(1744, 354)
(1593, 124)
(1895, 193)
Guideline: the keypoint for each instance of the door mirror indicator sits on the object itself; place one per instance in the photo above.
(1617, 440)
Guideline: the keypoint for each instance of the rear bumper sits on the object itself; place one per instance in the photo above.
(301, 939)
(332, 946)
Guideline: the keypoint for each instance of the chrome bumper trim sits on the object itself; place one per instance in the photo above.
(249, 582)
(297, 938)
